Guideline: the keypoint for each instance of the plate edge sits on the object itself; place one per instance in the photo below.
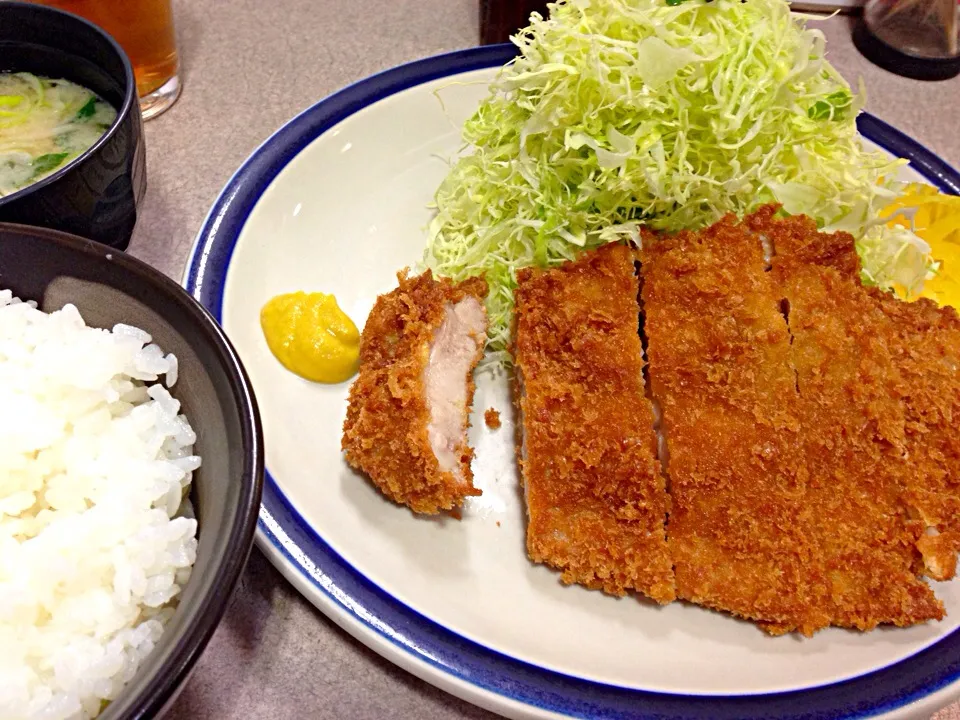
(356, 627)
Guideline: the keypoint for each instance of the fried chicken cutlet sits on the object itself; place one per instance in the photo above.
(719, 366)
(409, 407)
(848, 383)
(594, 492)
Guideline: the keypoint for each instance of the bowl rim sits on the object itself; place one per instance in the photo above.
(209, 609)
(130, 97)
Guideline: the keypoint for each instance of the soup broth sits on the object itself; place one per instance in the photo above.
(45, 123)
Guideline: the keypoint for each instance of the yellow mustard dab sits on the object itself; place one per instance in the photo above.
(936, 219)
(311, 336)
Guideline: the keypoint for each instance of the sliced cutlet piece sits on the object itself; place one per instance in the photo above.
(407, 420)
(719, 367)
(926, 347)
(595, 495)
(849, 385)
(924, 343)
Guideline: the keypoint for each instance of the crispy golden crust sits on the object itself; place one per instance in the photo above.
(849, 386)
(924, 343)
(492, 418)
(385, 433)
(797, 237)
(595, 496)
(926, 346)
(719, 356)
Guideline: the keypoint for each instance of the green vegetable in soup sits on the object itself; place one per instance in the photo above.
(45, 163)
(44, 124)
(88, 109)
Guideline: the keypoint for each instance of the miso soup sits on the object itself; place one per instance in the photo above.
(44, 124)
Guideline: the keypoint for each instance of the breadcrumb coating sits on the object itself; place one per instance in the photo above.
(596, 500)
(849, 384)
(922, 342)
(926, 346)
(719, 355)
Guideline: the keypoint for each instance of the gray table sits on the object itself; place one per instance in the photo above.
(248, 67)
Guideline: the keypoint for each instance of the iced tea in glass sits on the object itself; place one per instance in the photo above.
(144, 29)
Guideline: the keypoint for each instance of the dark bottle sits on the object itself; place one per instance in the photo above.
(499, 19)
(916, 38)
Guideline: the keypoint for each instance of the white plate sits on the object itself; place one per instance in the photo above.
(336, 201)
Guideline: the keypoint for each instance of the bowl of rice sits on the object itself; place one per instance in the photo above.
(131, 464)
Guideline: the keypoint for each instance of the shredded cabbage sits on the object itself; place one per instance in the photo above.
(894, 258)
(618, 112)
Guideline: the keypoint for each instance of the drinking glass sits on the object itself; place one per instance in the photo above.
(144, 29)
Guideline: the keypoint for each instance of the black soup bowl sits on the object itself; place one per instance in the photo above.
(97, 194)
(110, 287)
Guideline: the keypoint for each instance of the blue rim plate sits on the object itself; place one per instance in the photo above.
(435, 653)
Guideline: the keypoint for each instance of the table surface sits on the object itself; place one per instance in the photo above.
(248, 66)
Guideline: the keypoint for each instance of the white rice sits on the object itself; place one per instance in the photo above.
(96, 539)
